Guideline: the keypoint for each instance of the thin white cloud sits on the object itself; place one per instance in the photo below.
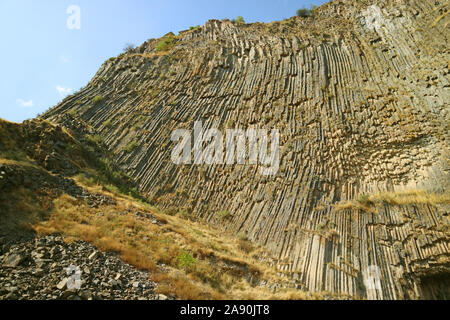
(63, 91)
(25, 104)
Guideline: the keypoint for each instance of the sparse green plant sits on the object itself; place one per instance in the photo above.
(131, 147)
(97, 100)
(181, 193)
(304, 12)
(322, 226)
(166, 43)
(364, 200)
(240, 19)
(108, 124)
(229, 124)
(95, 139)
(171, 211)
(73, 112)
(186, 260)
(225, 214)
(184, 214)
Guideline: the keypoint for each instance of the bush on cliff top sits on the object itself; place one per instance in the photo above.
(166, 43)
(304, 12)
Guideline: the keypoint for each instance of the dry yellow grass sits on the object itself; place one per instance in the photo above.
(368, 203)
(223, 260)
(413, 197)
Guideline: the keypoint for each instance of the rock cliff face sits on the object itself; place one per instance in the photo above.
(359, 93)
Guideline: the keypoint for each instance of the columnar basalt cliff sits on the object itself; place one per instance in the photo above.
(360, 93)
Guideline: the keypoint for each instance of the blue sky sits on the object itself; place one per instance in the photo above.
(42, 60)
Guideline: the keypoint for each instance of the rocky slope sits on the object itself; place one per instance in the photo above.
(40, 270)
(360, 95)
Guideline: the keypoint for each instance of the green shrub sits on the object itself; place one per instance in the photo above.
(166, 43)
(240, 19)
(185, 214)
(186, 260)
(73, 112)
(108, 124)
(95, 139)
(322, 226)
(131, 147)
(194, 28)
(181, 193)
(304, 12)
(97, 100)
(365, 200)
(224, 214)
(171, 211)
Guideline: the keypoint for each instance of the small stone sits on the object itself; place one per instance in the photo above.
(162, 297)
(67, 295)
(39, 256)
(86, 295)
(11, 296)
(12, 261)
(62, 284)
(93, 255)
(39, 272)
(114, 283)
(12, 289)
